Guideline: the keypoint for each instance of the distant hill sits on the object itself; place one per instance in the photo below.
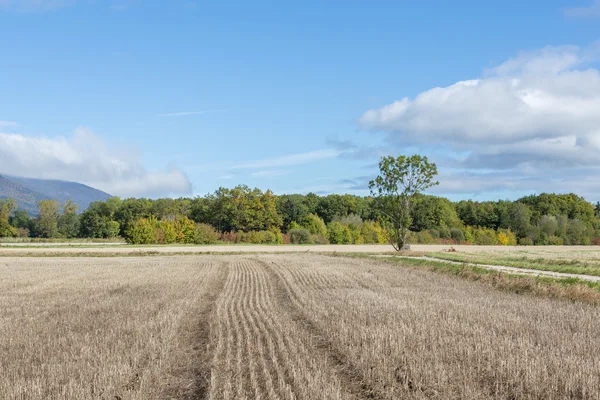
(27, 192)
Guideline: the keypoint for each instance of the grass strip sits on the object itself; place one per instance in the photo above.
(567, 266)
(571, 289)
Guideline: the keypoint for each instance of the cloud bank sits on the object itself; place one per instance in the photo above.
(535, 113)
(86, 158)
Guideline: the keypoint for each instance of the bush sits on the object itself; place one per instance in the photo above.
(555, 241)
(320, 239)
(314, 224)
(258, 237)
(167, 232)
(355, 236)
(6, 230)
(205, 234)
(300, 236)
(485, 237)
(373, 233)
(506, 237)
(445, 233)
(525, 242)
(186, 230)
(457, 235)
(338, 233)
(425, 237)
(278, 235)
(142, 231)
(229, 237)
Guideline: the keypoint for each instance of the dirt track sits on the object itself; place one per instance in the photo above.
(32, 249)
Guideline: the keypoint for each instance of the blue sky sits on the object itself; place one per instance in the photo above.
(155, 98)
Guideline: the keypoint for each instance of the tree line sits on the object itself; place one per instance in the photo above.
(243, 214)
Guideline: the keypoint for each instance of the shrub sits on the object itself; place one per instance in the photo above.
(293, 225)
(425, 237)
(205, 234)
(525, 242)
(142, 231)
(457, 235)
(259, 237)
(373, 233)
(507, 238)
(445, 233)
(169, 232)
(229, 237)
(485, 237)
(314, 224)
(555, 241)
(6, 230)
(320, 239)
(278, 235)
(338, 233)
(186, 230)
(355, 234)
(300, 236)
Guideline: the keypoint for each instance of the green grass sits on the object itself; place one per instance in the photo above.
(569, 266)
(572, 289)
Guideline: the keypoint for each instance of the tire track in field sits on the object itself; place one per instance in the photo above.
(351, 378)
(197, 389)
(259, 352)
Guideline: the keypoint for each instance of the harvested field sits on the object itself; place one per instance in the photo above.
(282, 326)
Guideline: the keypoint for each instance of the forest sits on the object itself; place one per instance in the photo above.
(250, 215)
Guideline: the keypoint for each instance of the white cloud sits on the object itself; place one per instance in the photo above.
(532, 124)
(86, 158)
(34, 5)
(538, 107)
(591, 11)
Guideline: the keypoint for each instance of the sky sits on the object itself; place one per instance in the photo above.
(179, 97)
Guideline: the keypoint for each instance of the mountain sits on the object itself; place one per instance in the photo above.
(27, 192)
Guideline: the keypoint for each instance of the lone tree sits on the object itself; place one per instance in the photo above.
(395, 189)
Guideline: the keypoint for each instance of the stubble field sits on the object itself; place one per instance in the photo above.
(282, 326)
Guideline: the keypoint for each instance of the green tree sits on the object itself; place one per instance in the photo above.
(20, 219)
(7, 206)
(519, 219)
(99, 220)
(68, 222)
(48, 211)
(401, 179)
(292, 208)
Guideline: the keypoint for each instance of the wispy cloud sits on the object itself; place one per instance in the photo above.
(34, 5)
(186, 113)
(291, 159)
(7, 124)
(269, 173)
(591, 11)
